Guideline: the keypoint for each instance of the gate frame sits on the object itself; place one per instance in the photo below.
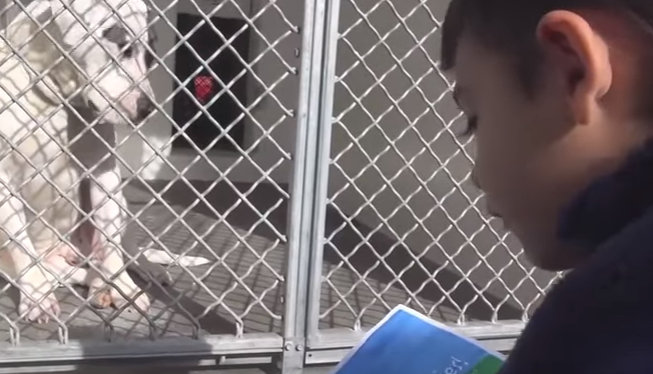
(309, 180)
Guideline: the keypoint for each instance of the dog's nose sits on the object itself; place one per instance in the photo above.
(144, 107)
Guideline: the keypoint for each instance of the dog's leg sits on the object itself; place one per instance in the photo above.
(37, 301)
(108, 219)
(61, 262)
(58, 211)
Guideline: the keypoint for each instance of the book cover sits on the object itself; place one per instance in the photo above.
(407, 342)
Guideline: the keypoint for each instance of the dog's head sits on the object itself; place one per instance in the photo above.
(108, 41)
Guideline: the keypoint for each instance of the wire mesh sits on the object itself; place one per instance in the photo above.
(405, 225)
(235, 224)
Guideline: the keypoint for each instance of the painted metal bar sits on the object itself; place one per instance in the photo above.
(182, 365)
(303, 188)
(331, 345)
(177, 347)
(324, 135)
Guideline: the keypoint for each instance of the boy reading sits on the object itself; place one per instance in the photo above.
(559, 97)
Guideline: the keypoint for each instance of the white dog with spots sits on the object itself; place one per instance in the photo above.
(46, 148)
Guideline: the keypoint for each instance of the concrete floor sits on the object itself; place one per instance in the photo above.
(243, 286)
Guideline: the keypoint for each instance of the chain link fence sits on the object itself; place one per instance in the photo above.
(204, 178)
(404, 223)
(300, 175)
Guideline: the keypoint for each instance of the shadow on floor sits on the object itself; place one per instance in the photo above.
(241, 290)
(272, 202)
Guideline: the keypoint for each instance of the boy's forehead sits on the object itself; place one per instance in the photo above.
(469, 59)
(476, 67)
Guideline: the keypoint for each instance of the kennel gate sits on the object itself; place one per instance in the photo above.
(350, 211)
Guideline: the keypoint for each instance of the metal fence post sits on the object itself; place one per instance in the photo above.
(320, 194)
(309, 179)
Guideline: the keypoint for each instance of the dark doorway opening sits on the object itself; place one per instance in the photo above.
(224, 110)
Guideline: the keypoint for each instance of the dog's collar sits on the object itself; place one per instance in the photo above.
(609, 204)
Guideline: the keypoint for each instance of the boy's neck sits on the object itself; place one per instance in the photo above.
(610, 203)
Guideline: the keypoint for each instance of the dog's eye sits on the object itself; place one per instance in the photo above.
(128, 52)
(120, 36)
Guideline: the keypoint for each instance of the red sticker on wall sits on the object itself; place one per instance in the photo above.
(203, 88)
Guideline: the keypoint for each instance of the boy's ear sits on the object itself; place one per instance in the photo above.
(581, 55)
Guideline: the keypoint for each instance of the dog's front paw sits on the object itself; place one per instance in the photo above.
(103, 295)
(100, 297)
(37, 301)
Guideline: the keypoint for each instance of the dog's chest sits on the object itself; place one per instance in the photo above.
(42, 143)
(34, 132)
(43, 155)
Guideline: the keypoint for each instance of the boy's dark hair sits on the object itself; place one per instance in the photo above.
(509, 26)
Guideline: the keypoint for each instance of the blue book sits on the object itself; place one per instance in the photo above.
(407, 342)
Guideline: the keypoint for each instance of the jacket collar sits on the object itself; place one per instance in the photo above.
(609, 204)
(606, 298)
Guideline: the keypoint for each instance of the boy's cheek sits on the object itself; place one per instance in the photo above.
(493, 162)
(508, 183)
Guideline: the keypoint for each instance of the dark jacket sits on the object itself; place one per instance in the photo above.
(599, 318)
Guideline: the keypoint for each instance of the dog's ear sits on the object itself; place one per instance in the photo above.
(68, 15)
(26, 33)
(22, 28)
(70, 18)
